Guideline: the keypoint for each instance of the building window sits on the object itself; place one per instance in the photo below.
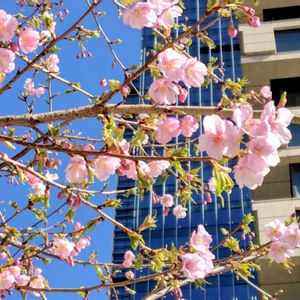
(281, 13)
(289, 85)
(295, 179)
(287, 40)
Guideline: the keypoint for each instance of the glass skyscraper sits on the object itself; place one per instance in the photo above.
(212, 215)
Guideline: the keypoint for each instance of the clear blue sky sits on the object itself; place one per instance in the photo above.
(88, 72)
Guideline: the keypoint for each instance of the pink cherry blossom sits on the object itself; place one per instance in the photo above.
(62, 248)
(278, 121)
(163, 91)
(15, 271)
(167, 200)
(254, 21)
(76, 171)
(8, 26)
(3, 255)
(82, 243)
(275, 230)
(30, 90)
(170, 63)
(161, 5)
(220, 137)
(37, 283)
(279, 251)
(7, 58)
(140, 15)
(29, 40)
(250, 171)
(157, 167)
(194, 72)
(200, 239)
(292, 235)
(266, 92)
(194, 266)
(167, 128)
(51, 63)
(128, 168)
(6, 280)
(179, 211)
(105, 166)
(22, 280)
(39, 188)
(128, 259)
(129, 275)
(188, 125)
(166, 19)
(265, 147)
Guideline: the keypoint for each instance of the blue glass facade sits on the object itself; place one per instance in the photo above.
(213, 216)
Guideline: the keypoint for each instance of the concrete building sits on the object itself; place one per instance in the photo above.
(270, 55)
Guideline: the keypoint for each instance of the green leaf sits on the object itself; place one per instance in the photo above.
(135, 238)
(130, 291)
(148, 223)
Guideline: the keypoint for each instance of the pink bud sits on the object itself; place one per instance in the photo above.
(3, 255)
(254, 21)
(189, 177)
(232, 32)
(14, 47)
(124, 91)
(87, 147)
(183, 93)
(103, 82)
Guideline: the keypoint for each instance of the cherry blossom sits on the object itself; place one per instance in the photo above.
(167, 128)
(179, 211)
(7, 58)
(170, 63)
(62, 248)
(128, 259)
(292, 235)
(105, 166)
(188, 125)
(279, 251)
(194, 72)
(140, 15)
(163, 91)
(51, 63)
(6, 280)
(76, 170)
(8, 26)
(200, 239)
(275, 230)
(194, 266)
(266, 92)
(167, 200)
(157, 167)
(220, 137)
(29, 40)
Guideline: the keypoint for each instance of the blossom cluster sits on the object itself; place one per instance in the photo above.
(28, 41)
(152, 13)
(265, 135)
(198, 264)
(284, 239)
(176, 67)
(16, 275)
(66, 249)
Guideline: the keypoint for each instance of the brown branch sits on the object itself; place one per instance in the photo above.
(94, 110)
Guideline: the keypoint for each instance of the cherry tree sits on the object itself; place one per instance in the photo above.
(146, 142)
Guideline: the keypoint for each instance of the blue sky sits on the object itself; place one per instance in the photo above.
(88, 72)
